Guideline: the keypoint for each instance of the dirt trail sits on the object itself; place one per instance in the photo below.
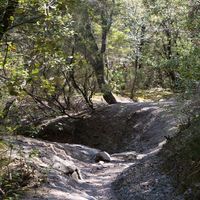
(132, 174)
(97, 178)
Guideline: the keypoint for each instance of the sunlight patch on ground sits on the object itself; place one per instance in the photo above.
(154, 94)
(150, 95)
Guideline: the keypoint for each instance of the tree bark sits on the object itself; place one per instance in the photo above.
(168, 51)
(138, 62)
(103, 86)
(86, 43)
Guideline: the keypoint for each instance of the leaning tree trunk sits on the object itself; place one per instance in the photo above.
(103, 86)
(86, 44)
(106, 22)
(95, 58)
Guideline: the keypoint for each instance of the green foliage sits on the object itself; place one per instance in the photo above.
(190, 64)
(16, 175)
(182, 157)
(34, 153)
(12, 187)
(149, 44)
(39, 60)
(154, 94)
(28, 130)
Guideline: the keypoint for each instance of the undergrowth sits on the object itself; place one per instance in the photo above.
(181, 157)
(15, 174)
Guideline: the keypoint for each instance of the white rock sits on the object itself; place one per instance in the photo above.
(102, 156)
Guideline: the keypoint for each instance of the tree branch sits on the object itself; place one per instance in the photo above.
(27, 21)
(6, 21)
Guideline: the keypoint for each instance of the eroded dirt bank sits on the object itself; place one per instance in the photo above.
(132, 133)
(116, 128)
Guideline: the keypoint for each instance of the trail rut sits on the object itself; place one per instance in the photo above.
(132, 174)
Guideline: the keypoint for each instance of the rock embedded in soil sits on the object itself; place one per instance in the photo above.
(102, 156)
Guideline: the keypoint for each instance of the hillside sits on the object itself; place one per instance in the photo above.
(133, 134)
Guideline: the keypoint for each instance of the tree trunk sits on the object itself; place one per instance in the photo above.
(103, 86)
(87, 45)
(138, 62)
(169, 53)
(133, 87)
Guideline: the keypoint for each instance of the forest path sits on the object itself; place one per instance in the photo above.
(131, 174)
(100, 176)
(96, 178)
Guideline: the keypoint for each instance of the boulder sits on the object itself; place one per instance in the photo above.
(76, 175)
(66, 167)
(102, 156)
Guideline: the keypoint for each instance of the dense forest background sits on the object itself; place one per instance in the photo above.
(54, 51)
